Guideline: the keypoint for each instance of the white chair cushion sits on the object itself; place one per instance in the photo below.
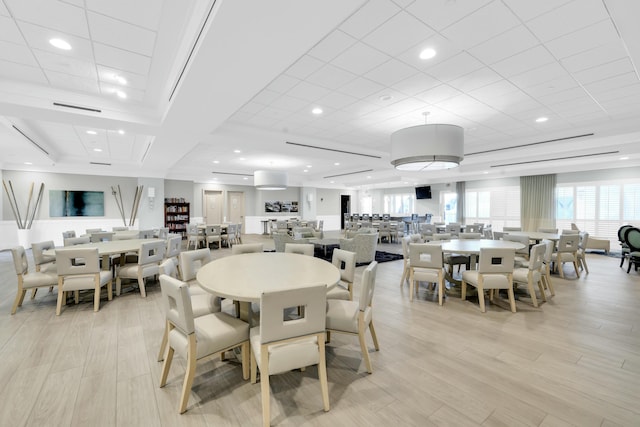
(214, 332)
(286, 356)
(491, 281)
(521, 275)
(77, 283)
(202, 304)
(339, 293)
(426, 275)
(343, 315)
(564, 257)
(38, 279)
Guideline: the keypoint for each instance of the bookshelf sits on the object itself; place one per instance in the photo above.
(176, 215)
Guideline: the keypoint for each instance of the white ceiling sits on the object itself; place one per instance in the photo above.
(255, 70)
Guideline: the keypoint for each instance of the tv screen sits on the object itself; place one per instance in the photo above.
(423, 192)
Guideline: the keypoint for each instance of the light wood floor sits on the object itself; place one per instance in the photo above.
(574, 361)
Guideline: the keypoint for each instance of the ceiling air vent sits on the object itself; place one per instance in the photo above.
(556, 158)
(332, 149)
(77, 107)
(100, 163)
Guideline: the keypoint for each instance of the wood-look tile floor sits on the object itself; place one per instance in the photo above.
(573, 361)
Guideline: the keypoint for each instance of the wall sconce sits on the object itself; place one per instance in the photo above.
(151, 193)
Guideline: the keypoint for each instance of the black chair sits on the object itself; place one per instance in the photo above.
(623, 244)
(632, 239)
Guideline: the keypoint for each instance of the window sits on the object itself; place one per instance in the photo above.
(498, 206)
(399, 204)
(366, 204)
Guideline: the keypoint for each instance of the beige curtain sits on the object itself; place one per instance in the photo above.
(537, 202)
(460, 195)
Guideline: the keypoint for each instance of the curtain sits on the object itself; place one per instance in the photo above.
(460, 196)
(537, 202)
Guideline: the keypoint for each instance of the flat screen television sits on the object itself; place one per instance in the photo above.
(423, 192)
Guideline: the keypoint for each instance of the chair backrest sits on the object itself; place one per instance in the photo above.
(94, 230)
(145, 234)
(281, 225)
(568, 243)
(452, 228)
(345, 261)
(280, 240)
(104, 236)
(365, 217)
(384, 226)
(231, 231)
(192, 229)
(424, 255)
(632, 238)
(570, 231)
(174, 245)
(442, 236)
(119, 228)
(191, 261)
(38, 248)
(20, 262)
(169, 267)
(72, 241)
(151, 252)
(427, 229)
(274, 303)
(320, 225)
(177, 304)
(386, 217)
(471, 229)
(470, 236)
(368, 286)
(498, 235)
(496, 261)
(247, 248)
(213, 230)
(584, 240)
(536, 256)
(511, 228)
(68, 234)
(77, 261)
(163, 232)
(520, 239)
(550, 246)
(621, 232)
(299, 248)
(548, 230)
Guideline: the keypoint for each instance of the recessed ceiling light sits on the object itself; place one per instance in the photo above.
(541, 119)
(485, 172)
(427, 53)
(121, 132)
(216, 161)
(60, 44)
(120, 79)
(245, 178)
(306, 170)
(97, 150)
(121, 94)
(317, 111)
(28, 163)
(624, 158)
(368, 176)
(309, 166)
(242, 158)
(92, 132)
(332, 182)
(336, 164)
(386, 98)
(237, 151)
(405, 182)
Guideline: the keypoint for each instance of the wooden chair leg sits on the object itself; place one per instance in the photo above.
(512, 299)
(189, 374)
(33, 292)
(96, 298)
(163, 344)
(363, 344)
(246, 352)
(254, 368)
(143, 291)
(61, 297)
(264, 386)
(322, 373)
(18, 301)
(532, 292)
(372, 330)
(411, 285)
(165, 367)
(481, 298)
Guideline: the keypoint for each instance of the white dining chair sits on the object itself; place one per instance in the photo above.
(79, 269)
(195, 338)
(566, 251)
(299, 248)
(247, 248)
(282, 343)
(213, 234)
(425, 265)
(532, 274)
(29, 280)
(150, 255)
(582, 257)
(495, 271)
(354, 318)
(345, 261)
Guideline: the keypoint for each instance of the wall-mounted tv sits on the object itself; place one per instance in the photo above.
(76, 203)
(423, 192)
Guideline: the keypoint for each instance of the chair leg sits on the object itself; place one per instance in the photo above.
(440, 289)
(33, 292)
(560, 267)
(110, 290)
(584, 263)
(264, 385)
(254, 368)
(463, 291)
(165, 367)
(512, 299)
(481, 298)
(96, 297)
(363, 343)
(61, 297)
(189, 374)
(372, 330)
(541, 288)
(118, 285)
(411, 285)
(163, 344)
(532, 292)
(404, 276)
(550, 284)
(143, 291)
(18, 301)
(322, 373)
(246, 352)
(575, 266)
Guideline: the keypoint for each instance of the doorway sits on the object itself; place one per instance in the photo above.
(345, 208)
(235, 207)
(213, 207)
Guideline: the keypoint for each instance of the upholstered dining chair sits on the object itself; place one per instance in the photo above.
(548, 230)
(196, 236)
(550, 246)
(632, 239)
(44, 263)
(195, 338)
(121, 228)
(29, 280)
(150, 255)
(190, 263)
(582, 246)
(102, 236)
(72, 241)
(279, 346)
(230, 237)
(406, 240)
(495, 271)
(354, 318)
(623, 244)
(522, 255)
(472, 228)
(532, 274)
(247, 248)
(174, 246)
(453, 228)
(79, 269)
(425, 265)
(507, 229)
(384, 231)
(93, 230)
(427, 231)
(68, 234)
(299, 248)
(345, 261)
(213, 234)
(567, 251)
(146, 234)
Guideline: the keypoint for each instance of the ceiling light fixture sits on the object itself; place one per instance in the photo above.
(237, 151)
(60, 44)
(270, 180)
(336, 164)
(427, 147)
(28, 163)
(541, 119)
(317, 111)
(92, 132)
(121, 132)
(97, 150)
(427, 53)
(624, 158)
(120, 94)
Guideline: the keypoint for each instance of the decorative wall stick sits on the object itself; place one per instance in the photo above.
(29, 214)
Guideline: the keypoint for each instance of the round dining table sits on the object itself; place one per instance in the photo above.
(535, 235)
(245, 277)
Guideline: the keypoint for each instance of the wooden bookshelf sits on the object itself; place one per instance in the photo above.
(176, 216)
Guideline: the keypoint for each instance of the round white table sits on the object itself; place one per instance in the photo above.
(244, 277)
(535, 235)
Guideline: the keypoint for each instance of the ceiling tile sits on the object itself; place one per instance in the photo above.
(146, 13)
(549, 87)
(417, 83)
(454, 67)
(438, 94)
(390, 72)
(131, 93)
(475, 79)
(397, 33)
(595, 57)
(78, 84)
(439, 14)
(289, 103)
(360, 58)
(119, 34)
(499, 88)
(361, 88)
(13, 71)
(604, 71)
(121, 59)
(403, 3)
(527, 10)
(111, 75)
(361, 108)
(304, 67)
(266, 97)
(337, 100)
(633, 89)
(612, 83)
(524, 61)
(598, 34)
(539, 75)
(38, 38)
(331, 77)
(332, 45)
(68, 18)
(9, 30)
(443, 47)
(368, 17)
(308, 91)
(567, 18)
(481, 25)
(66, 64)
(504, 45)
(565, 95)
(18, 53)
(283, 83)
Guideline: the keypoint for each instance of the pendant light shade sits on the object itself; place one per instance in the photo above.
(427, 147)
(270, 180)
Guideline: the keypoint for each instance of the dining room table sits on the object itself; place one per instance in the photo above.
(245, 277)
(537, 236)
